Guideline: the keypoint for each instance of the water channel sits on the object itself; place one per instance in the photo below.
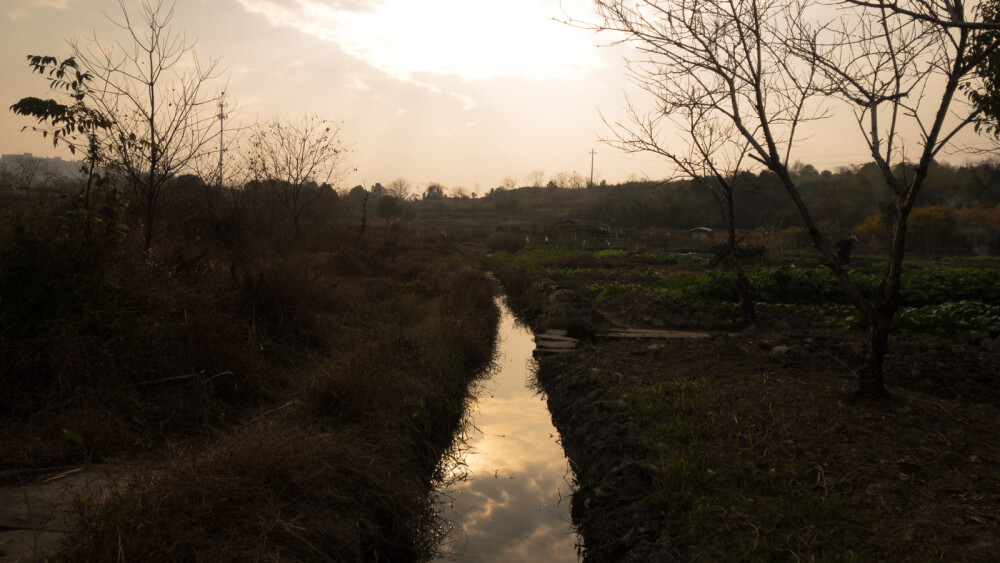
(506, 494)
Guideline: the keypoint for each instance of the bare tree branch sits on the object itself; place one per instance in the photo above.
(152, 87)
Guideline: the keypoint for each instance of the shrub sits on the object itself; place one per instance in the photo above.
(505, 242)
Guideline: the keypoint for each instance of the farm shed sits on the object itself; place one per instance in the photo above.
(701, 233)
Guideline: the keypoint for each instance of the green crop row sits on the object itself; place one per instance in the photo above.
(541, 257)
(817, 286)
(946, 318)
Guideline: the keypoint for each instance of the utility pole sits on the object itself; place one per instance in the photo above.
(592, 153)
(222, 119)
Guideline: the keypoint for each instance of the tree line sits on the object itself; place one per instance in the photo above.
(852, 199)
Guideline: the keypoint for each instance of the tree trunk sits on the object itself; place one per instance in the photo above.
(746, 299)
(870, 381)
(148, 227)
(742, 283)
(87, 218)
(364, 220)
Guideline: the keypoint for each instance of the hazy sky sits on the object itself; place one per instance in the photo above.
(461, 92)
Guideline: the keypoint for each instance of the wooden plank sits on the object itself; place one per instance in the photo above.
(644, 333)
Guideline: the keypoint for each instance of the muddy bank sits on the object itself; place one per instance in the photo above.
(608, 456)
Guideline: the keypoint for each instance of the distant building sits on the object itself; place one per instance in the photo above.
(701, 233)
(55, 167)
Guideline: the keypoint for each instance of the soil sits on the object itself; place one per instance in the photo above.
(607, 454)
(919, 459)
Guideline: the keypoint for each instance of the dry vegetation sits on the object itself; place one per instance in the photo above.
(287, 397)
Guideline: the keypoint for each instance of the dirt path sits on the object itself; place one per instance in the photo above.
(35, 519)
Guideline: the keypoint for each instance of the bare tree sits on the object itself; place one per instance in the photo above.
(560, 180)
(434, 191)
(399, 188)
(724, 93)
(900, 66)
(25, 169)
(576, 181)
(756, 67)
(152, 88)
(294, 159)
(714, 157)
(535, 178)
(508, 183)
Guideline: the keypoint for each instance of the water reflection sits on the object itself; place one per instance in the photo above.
(508, 491)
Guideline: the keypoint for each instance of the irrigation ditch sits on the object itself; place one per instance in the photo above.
(506, 490)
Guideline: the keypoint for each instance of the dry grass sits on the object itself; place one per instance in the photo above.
(287, 401)
(764, 460)
(266, 491)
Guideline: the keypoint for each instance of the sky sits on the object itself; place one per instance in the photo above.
(458, 92)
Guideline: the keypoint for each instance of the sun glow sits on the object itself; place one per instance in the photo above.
(472, 39)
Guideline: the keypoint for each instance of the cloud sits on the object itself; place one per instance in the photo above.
(472, 39)
(25, 9)
(18, 14)
(57, 4)
(513, 519)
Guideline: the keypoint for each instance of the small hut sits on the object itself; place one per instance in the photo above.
(701, 234)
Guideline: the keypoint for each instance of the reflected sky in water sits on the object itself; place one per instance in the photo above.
(510, 500)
